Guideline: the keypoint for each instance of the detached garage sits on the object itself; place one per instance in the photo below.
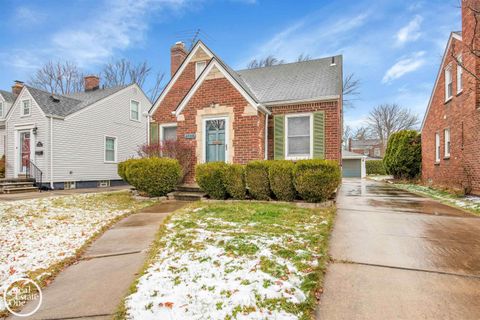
(353, 165)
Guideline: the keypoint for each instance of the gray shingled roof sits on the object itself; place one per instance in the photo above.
(64, 105)
(8, 96)
(295, 81)
(365, 143)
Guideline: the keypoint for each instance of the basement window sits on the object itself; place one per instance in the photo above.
(67, 185)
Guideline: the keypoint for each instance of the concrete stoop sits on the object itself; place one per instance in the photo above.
(187, 192)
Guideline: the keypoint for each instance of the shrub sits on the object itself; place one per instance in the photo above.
(122, 169)
(280, 175)
(235, 181)
(211, 179)
(316, 180)
(153, 176)
(375, 167)
(2, 167)
(256, 176)
(403, 157)
(174, 149)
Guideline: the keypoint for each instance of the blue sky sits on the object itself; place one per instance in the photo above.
(394, 47)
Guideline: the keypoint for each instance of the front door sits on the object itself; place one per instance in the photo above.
(215, 140)
(24, 150)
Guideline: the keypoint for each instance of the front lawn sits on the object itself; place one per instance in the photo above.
(470, 203)
(38, 236)
(234, 261)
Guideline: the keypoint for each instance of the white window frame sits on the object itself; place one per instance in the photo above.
(138, 111)
(459, 75)
(437, 147)
(1, 109)
(199, 67)
(297, 115)
(166, 125)
(448, 74)
(448, 144)
(22, 108)
(115, 146)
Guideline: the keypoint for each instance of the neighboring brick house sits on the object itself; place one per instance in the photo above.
(372, 148)
(290, 111)
(451, 127)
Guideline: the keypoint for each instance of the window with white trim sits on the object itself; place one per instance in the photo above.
(25, 107)
(1, 109)
(134, 110)
(437, 147)
(169, 133)
(448, 83)
(459, 75)
(110, 149)
(199, 67)
(298, 136)
(446, 133)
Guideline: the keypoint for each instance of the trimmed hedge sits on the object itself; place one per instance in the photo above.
(375, 167)
(122, 169)
(316, 180)
(235, 181)
(258, 184)
(403, 157)
(2, 167)
(153, 176)
(280, 176)
(211, 179)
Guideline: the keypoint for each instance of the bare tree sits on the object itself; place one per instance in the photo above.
(471, 45)
(362, 133)
(157, 88)
(265, 62)
(123, 72)
(347, 134)
(61, 77)
(351, 90)
(386, 119)
(304, 57)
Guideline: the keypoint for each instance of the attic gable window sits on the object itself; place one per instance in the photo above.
(448, 83)
(199, 67)
(25, 108)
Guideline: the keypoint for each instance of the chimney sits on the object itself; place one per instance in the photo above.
(177, 55)
(91, 83)
(17, 87)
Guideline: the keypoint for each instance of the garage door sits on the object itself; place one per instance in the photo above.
(352, 168)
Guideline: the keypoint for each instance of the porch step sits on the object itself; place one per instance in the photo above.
(186, 196)
(189, 188)
(11, 190)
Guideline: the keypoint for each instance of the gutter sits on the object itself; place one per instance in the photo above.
(283, 102)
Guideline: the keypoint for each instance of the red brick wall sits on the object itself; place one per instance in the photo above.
(461, 115)
(333, 128)
(248, 130)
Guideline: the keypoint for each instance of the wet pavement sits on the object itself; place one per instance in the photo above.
(400, 256)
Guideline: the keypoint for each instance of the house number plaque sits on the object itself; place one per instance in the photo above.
(190, 136)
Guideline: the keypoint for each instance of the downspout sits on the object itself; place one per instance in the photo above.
(266, 136)
(51, 153)
(148, 129)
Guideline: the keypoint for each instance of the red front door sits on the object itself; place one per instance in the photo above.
(24, 151)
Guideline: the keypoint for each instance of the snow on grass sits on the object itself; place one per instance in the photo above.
(471, 203)
(235, 261)
(36, 234)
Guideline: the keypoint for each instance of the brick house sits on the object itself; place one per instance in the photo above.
(451, 126)
(290, 111)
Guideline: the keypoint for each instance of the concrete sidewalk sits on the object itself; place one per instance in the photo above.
(400, 256)
(94, 287)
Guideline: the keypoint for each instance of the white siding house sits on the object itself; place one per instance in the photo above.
(76, 140)
(6, 101)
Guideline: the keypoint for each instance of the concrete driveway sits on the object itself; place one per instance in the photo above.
(400, 256)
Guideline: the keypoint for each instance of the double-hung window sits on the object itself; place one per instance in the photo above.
(298, 136)
(134, 110)
(110, 149)
(448, 83)
(168, 132)
(446, 133)
(437, 147)
(459, 74)
(25, 107)
(199, 67)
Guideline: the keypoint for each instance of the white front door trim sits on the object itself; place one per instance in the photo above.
(17, 158)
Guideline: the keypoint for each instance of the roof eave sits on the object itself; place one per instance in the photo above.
(296, 101)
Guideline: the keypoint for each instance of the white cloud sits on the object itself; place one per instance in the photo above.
(404, 66)
(117, 26)
(410, 32)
